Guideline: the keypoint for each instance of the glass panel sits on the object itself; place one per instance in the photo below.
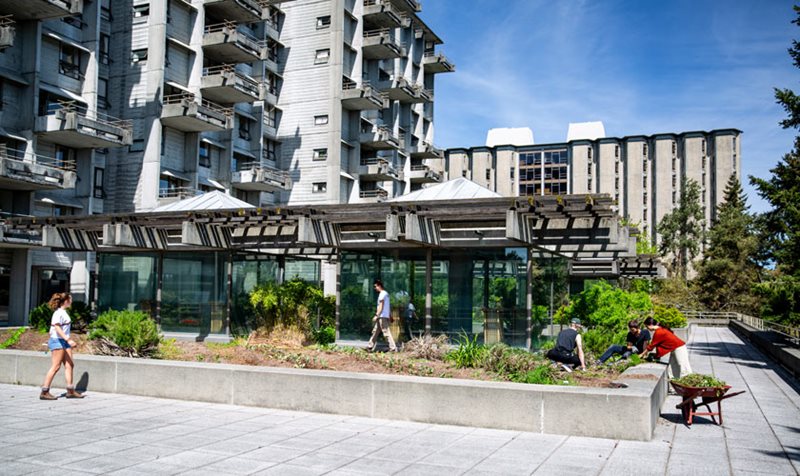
(247, 274)
(128, 282)
(307, 270)
(193, 293)
(357, 306)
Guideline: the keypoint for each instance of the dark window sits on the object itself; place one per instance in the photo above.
(244, 128)
(69, 61)
(105, 43)
(488, 174)
(319, 187)
(205, 155)
(105, 10)
(74, 20)
(138, 56)
(270, 150)
(65, 157)
(141, 10)
(102, 93)
(323, 22)
(98, 183)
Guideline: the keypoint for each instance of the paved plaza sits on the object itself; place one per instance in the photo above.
(119, 434)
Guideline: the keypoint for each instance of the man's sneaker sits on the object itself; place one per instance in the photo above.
(566, 367)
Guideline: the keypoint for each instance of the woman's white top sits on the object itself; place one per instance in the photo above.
(60, 317)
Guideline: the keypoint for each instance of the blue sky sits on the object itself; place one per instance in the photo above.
(640, 66)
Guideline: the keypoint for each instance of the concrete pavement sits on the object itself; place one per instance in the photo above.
(120, 434)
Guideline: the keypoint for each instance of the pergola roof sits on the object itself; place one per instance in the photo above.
(456, 189)
(215, 200)
(580, 227)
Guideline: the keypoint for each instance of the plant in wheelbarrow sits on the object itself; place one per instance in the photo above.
(707, 388)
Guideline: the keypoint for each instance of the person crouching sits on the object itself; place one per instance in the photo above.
(567, 341)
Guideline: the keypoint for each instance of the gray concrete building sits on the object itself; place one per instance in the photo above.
(125, 106)
(643, 173)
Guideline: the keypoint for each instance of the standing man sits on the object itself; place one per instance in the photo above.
(381, 319)
(566, 343)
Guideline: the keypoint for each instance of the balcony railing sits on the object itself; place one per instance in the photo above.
(73, 124)
(256, 176)
(364, 97)
(378, 193)
(225, 84)
(7, 32)
(382, 44)
(232, 44)
(193, 115)
(179, 193)
(37, 171)
(437, 63)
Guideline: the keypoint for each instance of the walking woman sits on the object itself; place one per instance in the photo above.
(665, 342)
(60, 345)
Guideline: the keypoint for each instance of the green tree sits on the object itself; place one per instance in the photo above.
(780, 226)
(682, 230)
(728, 272)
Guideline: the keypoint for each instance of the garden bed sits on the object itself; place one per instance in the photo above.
(290, 353)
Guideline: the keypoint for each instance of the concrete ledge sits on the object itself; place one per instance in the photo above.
(771, 343)
(627, 413)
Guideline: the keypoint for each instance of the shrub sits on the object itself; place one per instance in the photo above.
(669, 316)
(508, 361)
(39, 318)
(125, 333)
(13, 338)
(468, 353)
(293, 304)
(427, 347)
(607, 307)
(80, 314)
(325, 335)
(544, 374)
(597, 340)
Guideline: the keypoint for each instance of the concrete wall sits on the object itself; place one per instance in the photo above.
(628, 413)
(772, 344)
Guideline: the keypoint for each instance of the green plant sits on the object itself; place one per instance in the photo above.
(167, 350)
(295, 303)
(602, 305)
(427, 347)
(597, 340)
(699, 380)
(80, 314)
(325, 335)
(507, 361)
(544, 374)
(128, 333)
(13, 338)
(39, 318)
(468, 353)
(669, 316)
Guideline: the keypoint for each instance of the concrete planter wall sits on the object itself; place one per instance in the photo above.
(626, 413)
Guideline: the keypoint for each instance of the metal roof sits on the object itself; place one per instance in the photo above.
(456, 189)
(215, 200)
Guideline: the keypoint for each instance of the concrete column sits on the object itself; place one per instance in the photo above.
(529, 301)
(20, 288)
(428, 290)
(79, 277)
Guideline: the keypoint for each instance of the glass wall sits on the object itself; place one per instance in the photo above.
(358, 300)
(248, 272)
(194, 295)
(128, 282)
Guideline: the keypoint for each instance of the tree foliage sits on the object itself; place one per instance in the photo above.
(682, 229)
(728, 272)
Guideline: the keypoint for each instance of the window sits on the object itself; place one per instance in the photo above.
(488, 174)
(270, 150)
(674, 148)
(74, 20)
(616, 167)
(244, 128)
(205, 155)
(98, 183)
(322, 56)
(163, 140)
(644, 182)
(166, 56)
(102, 93)
(511, 174)
(319, 187)
(65, 157)
(589, 153)
(464, 173)
(616, 184)
(644, 150)
(674, 164)
(644, 199)
(320, 120)
(138, 56)
(616, 151)
(320, 154)
(140, 11)
(323, 22)
(589, 184)
(703, 146)
(105, 10)
(674, 197)
(105, 43)
(589, 168)
(69, 61)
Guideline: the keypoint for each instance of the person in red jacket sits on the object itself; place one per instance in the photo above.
(665, 342)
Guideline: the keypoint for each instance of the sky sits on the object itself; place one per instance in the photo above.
(640, 66)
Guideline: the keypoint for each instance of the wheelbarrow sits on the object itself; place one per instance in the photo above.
(707, 395)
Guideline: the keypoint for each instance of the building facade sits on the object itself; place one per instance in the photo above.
(125, 106)
(643, 174)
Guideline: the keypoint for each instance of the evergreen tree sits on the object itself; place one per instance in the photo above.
(682, 230)
(728, 272)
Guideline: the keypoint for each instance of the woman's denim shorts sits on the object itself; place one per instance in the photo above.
(56, 344)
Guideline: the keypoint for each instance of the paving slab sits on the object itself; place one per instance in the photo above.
(132, 435)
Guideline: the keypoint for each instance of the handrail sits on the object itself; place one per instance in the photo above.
(176, 192)
(374, 161)
(376, 193)
(231, 69)
(417, 168)
(82, 110)
(790, 332)
(185, 97)
(19, 156)
(231, 26)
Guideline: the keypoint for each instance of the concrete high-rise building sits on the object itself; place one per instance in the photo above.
(643, 173)
(118, 106)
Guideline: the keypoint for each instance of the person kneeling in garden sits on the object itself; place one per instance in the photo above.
(567, 341)
(665, 342)
(635, 343)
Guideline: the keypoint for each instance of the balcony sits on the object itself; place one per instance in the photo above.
(426, 150)
(381, 14)
(272, 29)
(7, 32)
(362, 98)
(242, 11)
(437, 63)
(378, 138)
(400, 89)
(381, 44)
(223, 84)
(185, 113)
(377, 169)
(410, 6)
(175, 194)
(257, 177)
(269, 94)
(375, 195)
(34, 172)
(424, 174)
(72, 124)
(40, 9)
(224, 43)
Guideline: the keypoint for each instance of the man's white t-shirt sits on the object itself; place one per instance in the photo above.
(60, 317)
(384, 296)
